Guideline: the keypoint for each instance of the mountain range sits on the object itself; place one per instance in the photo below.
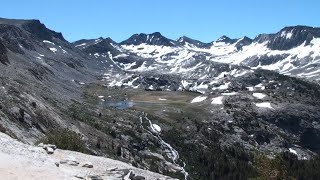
(182, 108)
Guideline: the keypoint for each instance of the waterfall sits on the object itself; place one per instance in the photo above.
(168, 149)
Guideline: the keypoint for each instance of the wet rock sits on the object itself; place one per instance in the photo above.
(57, 164)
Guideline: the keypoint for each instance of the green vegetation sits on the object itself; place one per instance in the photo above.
(287, 166)
(65, 139)
(212, 161)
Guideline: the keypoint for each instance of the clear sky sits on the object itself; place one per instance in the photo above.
(205, 20)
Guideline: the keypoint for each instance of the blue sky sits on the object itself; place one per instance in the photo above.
(205, 20)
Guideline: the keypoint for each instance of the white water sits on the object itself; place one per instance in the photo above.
(169, 150)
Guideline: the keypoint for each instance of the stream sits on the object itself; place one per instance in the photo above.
(168, 149)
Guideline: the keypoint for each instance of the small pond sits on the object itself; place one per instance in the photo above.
(128, 104)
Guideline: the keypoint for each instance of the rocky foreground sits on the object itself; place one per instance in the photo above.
(22, 161)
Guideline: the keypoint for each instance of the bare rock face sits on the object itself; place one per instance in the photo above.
(40, 31)
(3, 54)
(150, 39)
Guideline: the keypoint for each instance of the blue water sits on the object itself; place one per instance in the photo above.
(121, 104)
(128, 104)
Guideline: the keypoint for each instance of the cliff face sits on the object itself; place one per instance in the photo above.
(3, 54)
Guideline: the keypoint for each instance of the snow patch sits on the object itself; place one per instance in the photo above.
(217, 100)
(250, 88)
(185, 83)
(46, 41)
(261, 86)
(222, 87)
(259, 95)
(293, 151)
(264, 105)
(199, 99)
(156, 127)
(53, 50)
(81, 45)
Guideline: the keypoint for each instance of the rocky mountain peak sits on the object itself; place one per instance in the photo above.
(100, 45)
(41, 31)
(155, 38)
(289, 37)
(34, 27)
(293, 36)
(186, 40)
(226, 40)
(245, 41)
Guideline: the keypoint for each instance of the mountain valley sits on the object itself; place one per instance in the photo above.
(229, 109)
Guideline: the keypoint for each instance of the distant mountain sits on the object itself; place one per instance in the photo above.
(149, 39)
(245, 41)
(289, 37)
(35, 27)
(99, 45)
(293, 51)
(226, 39)
(188, 41)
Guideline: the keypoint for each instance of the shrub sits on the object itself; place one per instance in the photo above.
(65, 139)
